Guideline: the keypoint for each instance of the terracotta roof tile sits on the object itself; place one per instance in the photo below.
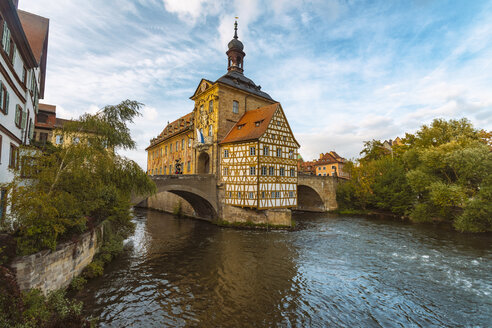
(36, 30)
(246, 128)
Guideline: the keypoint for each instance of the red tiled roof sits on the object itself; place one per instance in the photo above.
(249, 130)
(36, 30)
(181, 124)
(329, 158)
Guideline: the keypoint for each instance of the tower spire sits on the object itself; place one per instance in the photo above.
(235, 54)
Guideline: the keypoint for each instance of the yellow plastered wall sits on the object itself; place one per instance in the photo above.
(161, 158)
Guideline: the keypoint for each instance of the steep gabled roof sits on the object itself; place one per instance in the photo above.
(36, 29)
(252, 125)
(183, 123)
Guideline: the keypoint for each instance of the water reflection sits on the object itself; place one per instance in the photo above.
(347, 272)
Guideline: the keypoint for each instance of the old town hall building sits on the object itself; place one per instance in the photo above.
(237, 132)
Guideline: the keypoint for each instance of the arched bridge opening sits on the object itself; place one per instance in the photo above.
(202, 207)
(309, 200)
(198, 190)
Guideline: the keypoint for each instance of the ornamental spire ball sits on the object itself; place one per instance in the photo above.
(235, 43)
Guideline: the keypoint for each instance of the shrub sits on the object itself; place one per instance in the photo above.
(94, 269)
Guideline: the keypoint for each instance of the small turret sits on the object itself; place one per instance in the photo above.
(235, 54)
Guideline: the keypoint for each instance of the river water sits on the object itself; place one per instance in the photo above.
(333, 272)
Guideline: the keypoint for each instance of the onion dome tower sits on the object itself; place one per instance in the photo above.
(235, 54)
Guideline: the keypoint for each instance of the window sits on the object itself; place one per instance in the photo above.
(160, 170)
(165, 170)
(257, 123)
(18, 116)
(226, 171)
(170, 148)
(210, 130)
(262, 194)
(4, 99)
(182, 144)
(277, 194)
(278, 123)
(177, 145)
(252, 170)
(271, 170)
(282, 171)
(266, 151)
(292, 172)
(263, 170)
(279, 152)
(251, 195)
(291, 154)
(24, 76)
(75, 140)
(238, 195)
(189, 142)
(273, 194)
(230, 194)
(211, 106)
(239, 127)
(171, 169)
(291, 194)
(188, 166)
(333, 167)
(235, 107)
(226, 153)
(165, 150)
(14, 156)
(252, 151)
(324, 167)
(59, 139)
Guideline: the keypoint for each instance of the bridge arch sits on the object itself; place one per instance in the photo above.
(308, 199)
(201, 205)
(199, 190)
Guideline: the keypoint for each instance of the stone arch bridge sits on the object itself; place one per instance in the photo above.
(203, 193)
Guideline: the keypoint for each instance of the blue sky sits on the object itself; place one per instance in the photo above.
(344, 71)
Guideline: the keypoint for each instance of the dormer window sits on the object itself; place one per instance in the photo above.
(239, 127)
(257, 123)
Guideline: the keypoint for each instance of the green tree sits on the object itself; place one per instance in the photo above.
(71, 188)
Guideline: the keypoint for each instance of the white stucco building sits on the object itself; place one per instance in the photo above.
(23, 52)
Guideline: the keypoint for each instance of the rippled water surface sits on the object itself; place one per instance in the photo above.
(334, 272)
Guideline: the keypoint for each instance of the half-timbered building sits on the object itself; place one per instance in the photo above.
(259, 160)
(240, 134)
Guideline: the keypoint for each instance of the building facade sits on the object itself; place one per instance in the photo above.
(258, 161)
(330, 164)
(23, 54)
(44, 123)
(232, 115)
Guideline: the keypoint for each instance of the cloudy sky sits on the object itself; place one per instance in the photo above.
(344, 71)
